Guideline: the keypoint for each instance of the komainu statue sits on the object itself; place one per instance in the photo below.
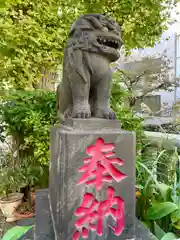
(94, 42)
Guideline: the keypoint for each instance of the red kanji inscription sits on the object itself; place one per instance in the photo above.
(91, 214)
(99, 167)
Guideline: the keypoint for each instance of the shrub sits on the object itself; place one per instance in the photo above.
(27, 116)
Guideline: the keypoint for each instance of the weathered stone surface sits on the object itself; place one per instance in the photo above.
(84, 91)
(142, 232)
(68, 145)
(93, 124)
(44, 227)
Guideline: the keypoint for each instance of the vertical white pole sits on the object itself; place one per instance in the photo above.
(175, 67)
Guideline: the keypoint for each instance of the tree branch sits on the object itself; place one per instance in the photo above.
(152, 89)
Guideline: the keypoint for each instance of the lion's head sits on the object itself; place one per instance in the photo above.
(97, 33)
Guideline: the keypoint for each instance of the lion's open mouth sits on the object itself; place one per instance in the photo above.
(109, 43)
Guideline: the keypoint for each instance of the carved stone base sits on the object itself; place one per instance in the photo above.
(68, 149)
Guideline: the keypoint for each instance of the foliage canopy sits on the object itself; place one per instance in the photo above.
(33, 32)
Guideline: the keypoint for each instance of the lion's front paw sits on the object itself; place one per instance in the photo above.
(105, 113)
(81, 112)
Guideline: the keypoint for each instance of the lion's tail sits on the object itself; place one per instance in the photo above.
(63, 99)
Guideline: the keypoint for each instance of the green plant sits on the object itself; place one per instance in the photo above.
(13, 178)
(33, 173)
(16, 232)
(28, 117)
(165, 210)
(21, 178)
(10, 180)
(158, 203)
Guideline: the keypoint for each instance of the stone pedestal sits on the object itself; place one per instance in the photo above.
(69, 144)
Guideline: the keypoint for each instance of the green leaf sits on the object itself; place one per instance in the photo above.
(138, 186)
(161, 210)
(169, 236)
(165, 191)
(175, 216)
(16, 232)
(176, 199)
(177, 226)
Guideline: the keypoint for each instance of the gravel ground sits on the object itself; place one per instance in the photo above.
(4, 226)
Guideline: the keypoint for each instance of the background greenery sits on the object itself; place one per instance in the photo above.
(33, 32)
(27, 116)
(32, 38)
